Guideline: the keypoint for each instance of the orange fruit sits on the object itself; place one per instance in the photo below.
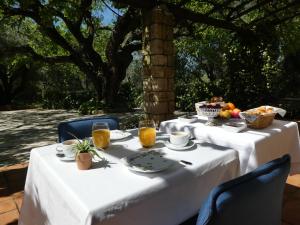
(230, 105)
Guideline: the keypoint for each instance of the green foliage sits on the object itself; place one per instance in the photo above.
(131, 90)
(17, 76)
(84, 146)
(90, 107)
(189, 87)
(73, 100)
(131, 122)
(63, 86)
(247, 70)
(129, 95)
(200, 67)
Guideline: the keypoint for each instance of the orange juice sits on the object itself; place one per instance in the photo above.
(147, 136)
(101, 138)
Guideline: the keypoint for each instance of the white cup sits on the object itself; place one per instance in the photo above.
(179, 138)
(67, 148)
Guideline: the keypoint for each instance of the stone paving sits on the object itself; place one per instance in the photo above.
(22, 130)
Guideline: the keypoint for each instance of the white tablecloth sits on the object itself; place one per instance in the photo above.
(58, 193)
(255, 147)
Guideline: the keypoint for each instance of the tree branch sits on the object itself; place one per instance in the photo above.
(84, 8)
(186, 14)
(27, 50)
(105, 28)
(132, 47)
(125, 24)
(220, 7)
(183, 2)
(273, 12)
(110, 8)
(284, 19)
(47, 28)
(250, 9)
(138, 3)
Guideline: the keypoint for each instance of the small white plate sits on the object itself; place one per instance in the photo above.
(190, 119)
(147, 162)
(118, 135)
(66, 159)
(235, 126)
(177, 148)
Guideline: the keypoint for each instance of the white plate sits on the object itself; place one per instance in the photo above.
(66, 159)
(177, 148)
(184, 119)
(118, 135)
(147, 162)
(235, 126)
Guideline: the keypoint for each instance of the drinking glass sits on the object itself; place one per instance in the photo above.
(147, 133)
(101, 135)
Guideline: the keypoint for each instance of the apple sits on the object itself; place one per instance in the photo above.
(225, 114)
(235, 113)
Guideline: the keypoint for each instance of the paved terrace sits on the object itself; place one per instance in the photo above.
(22, 130)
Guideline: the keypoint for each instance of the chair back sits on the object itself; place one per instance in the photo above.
(252, 199)
(82, 128)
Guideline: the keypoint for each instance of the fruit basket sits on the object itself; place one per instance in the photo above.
(210, 112)
(205, 108)
(261, 117)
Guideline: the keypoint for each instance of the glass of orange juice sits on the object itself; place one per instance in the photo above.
(101, 135)
(147, 133)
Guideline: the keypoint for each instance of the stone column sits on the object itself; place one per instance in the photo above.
(158, 64)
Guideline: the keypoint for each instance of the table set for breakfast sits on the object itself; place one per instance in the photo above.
(113, 192)
(254, 147)
(146, 176)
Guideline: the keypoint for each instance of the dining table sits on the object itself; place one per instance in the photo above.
(255, 147)
(112, 192)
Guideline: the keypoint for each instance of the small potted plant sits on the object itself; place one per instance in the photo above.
(84, 154)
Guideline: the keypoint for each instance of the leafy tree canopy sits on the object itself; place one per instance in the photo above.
(72, 31)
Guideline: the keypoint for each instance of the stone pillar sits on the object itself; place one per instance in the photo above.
(158, 64)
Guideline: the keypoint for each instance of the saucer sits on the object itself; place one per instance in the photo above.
(65, 159)
(189, 145)
(189, 119)
(118, 135)
(235, 126)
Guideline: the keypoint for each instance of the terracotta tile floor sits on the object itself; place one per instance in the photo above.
(12, 180)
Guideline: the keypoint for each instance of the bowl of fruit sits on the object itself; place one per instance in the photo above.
(209, 110)
(229, 111)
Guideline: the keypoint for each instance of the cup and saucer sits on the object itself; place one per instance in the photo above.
(180, 141)
(65, 150)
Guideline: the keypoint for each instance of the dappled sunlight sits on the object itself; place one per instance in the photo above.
(22, 130)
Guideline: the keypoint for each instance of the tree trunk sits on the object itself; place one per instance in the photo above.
(5, 87)
(5, 98)
(98, 83)
(113, 83)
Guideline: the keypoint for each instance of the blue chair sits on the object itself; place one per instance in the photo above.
(82, 128)
(252, 199)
